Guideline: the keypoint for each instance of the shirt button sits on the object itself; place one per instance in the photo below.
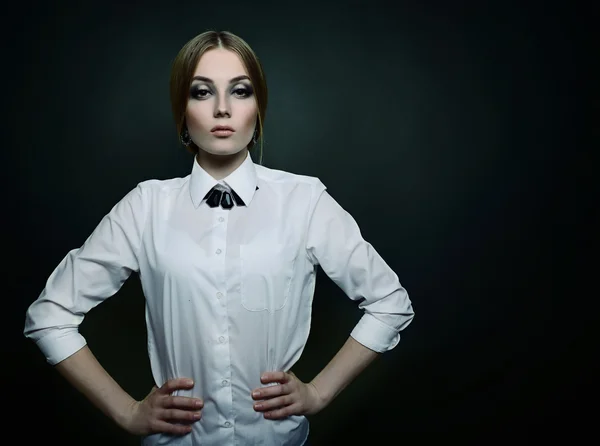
(219, 295)
(221, 219)
(227, 424)
(218, 251)
(224, 382)
(221, 339)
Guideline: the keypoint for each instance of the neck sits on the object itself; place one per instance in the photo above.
(220, 166)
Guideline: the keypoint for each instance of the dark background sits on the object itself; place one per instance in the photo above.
(467, 118)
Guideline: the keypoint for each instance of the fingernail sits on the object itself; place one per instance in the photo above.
(256, 394)
(198, 403)
(189, 382)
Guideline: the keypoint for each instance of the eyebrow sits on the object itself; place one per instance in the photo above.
(210, 81)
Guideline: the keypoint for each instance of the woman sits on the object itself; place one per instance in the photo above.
(227, 259)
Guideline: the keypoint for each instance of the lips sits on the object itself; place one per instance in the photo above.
(221, 127)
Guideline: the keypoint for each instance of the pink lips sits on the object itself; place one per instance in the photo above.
(222, 130)
(222, 133)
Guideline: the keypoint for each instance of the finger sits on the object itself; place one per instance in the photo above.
(180, 415)
(268, 377)
(174, 384)
(182, 402)
(274, 403)
(282, 412)
(271, 391)
(169, 428)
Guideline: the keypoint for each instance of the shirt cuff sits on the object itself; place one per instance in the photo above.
(61, 343)
(374, 334)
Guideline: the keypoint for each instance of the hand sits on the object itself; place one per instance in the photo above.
(291, 397)
(160, 411)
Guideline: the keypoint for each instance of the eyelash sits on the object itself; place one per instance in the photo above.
(246, 92)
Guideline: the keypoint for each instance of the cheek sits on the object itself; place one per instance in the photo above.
(249, 116)
(197, 114)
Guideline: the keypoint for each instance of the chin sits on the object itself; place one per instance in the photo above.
(222, 150)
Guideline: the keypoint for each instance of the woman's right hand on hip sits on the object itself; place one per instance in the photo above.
(161, 412)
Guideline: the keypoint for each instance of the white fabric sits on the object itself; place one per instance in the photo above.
(228, 292)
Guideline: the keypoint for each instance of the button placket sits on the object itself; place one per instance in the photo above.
(221, 342)
(220, 231)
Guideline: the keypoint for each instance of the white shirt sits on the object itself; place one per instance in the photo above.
(228, 292)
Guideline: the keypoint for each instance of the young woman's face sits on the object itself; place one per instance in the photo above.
(221, 94)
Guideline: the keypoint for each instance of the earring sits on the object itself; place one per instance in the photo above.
(185, 137)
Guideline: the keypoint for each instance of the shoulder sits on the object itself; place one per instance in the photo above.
(283, 178)
(155, 187)
(146, 193)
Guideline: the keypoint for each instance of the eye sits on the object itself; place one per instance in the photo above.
(242, 92)
(200, 92)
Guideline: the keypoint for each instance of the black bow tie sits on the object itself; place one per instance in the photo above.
(216, 197)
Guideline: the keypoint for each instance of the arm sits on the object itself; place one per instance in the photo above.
(84, 372)
(155, 413)
(85, 278)
(296, 397)
(346, 365)
(334, 241)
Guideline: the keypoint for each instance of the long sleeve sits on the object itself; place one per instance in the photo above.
(334, 241)
(85, 277)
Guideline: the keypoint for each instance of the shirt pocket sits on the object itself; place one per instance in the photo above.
(266, 276)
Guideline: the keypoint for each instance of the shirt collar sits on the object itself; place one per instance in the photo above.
(242, 180)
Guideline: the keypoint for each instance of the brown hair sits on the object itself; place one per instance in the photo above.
(184, 65)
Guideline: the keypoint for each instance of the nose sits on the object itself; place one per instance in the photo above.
(222, 107)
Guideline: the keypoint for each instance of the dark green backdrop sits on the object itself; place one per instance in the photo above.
(465, 120)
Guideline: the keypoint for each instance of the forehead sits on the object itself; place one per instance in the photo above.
(220, 64)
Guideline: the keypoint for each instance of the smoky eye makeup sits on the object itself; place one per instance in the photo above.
(243, 90)
(201, 91)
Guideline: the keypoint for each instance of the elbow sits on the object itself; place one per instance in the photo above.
(56, 343)
(43, 321)
(405, 314)
(406, 319)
